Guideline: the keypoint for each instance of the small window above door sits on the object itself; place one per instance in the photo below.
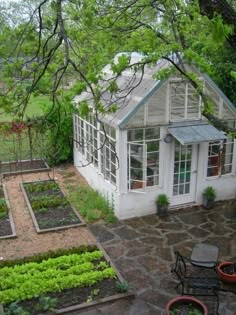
(185, 102)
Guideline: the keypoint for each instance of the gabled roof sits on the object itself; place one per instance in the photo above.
(135, 88)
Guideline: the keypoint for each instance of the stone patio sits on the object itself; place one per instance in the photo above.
(143, 251)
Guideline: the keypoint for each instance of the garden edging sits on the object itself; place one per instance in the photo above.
(13, 235)
(85, 305)
(38, 230)
(15, 173)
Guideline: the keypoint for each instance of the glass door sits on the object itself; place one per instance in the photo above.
(184, 173)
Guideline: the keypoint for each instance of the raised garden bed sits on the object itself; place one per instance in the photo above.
(75, 279)
(7, 228)
(23, 167)
(49, 208)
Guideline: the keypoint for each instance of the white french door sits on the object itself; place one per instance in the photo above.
(183, 173)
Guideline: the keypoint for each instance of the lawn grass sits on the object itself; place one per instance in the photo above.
(91, 204)
(14, 148)
(34, 108)
(11, 150)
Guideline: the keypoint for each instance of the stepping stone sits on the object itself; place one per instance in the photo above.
(156, 298)
(174, 238)
(101, 233)
(192, 218)
(126, 233)
(197, 232)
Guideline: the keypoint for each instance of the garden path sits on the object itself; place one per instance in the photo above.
(28, 242)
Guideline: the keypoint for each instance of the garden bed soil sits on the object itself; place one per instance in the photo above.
(15, 167)
(7, 229)
(52, 217)
(75, 296)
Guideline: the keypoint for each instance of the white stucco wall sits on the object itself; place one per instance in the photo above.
(225, 185)
(96, 180)
(129, 204)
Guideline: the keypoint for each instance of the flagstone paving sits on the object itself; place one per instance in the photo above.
(143, 251)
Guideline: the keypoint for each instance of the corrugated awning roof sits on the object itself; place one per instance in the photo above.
(196, 133)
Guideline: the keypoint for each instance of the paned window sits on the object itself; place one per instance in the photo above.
(220, 157)
(97, 143)
(108, 153)
(185, 103)
(143, 157)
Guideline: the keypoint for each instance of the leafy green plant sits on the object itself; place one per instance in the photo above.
(209, 192)
(46, 303)
(14, 309)
(3, 214)
(32, 279)
(3, 205)
(163, 200)
(42, 210)
(60, 130)
(91, 204)
(122, 286)
(41, 186)
(48, 201)
(93, 294)
(188, 309)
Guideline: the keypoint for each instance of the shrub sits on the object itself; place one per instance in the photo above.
(163, 200)
(210, 193)
(122, 286)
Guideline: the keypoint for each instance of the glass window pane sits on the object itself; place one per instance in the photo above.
(187, 188)
(135, 134)
(143, 157)
(152, 146)
(152, 133)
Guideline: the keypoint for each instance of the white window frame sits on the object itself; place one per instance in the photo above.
(219, 167)
(186, 95)
(93, 149)
(142, 158)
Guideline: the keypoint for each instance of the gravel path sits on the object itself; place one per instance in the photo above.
(28, 242)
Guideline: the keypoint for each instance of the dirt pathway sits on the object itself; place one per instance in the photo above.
(28, 242)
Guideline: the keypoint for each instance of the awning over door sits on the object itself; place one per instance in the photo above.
(197, 133)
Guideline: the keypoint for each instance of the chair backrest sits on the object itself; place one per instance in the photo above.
(180, 267)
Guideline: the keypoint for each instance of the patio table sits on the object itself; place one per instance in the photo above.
(205, 255)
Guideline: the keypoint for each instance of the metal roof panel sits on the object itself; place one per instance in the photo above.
(197, 133)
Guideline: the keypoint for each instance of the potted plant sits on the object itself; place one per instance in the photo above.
(209, 195)
(227, 271)
(187, 305)
(162, 203)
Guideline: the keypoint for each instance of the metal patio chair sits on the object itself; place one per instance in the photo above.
(195, 280)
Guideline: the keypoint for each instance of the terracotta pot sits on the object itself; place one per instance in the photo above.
(225, 276)
(180, 300)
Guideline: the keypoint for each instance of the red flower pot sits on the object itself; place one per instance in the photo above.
(181, 300)
(225, 276)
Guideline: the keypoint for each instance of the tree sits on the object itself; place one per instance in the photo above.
(68, 47)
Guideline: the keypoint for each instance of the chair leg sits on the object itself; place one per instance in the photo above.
(217, 301)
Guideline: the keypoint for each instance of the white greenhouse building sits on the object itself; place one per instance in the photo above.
(156, 142)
